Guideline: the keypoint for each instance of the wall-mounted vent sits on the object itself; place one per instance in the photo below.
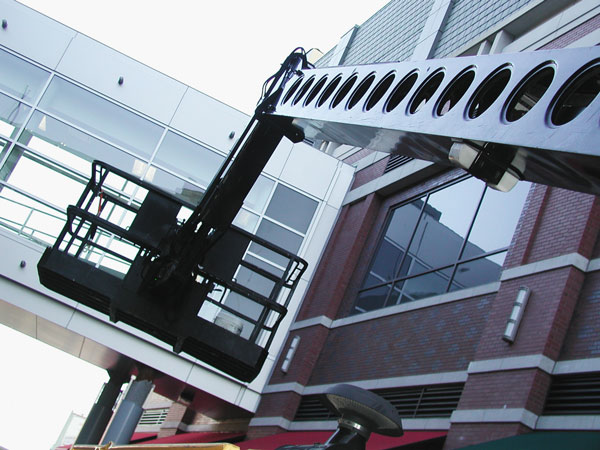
(153, 416)
(574, 395)
(311, 408)
(396, 161)
(424, 401)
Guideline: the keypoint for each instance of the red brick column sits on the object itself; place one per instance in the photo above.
(322, 299)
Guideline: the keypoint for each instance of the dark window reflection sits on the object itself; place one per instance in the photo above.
(372, 299)
(478, 272)
(445, 223)
(497, 219)
(403, 222)
(291, 208)
(457, 238)
(424, 286)
(279, 236)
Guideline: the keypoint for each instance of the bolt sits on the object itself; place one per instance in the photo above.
(22, 264)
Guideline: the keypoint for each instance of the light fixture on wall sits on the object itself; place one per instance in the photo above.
(501, 167)
(516, 314)
(290, 354)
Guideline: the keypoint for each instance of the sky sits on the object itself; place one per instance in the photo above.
(225, 49)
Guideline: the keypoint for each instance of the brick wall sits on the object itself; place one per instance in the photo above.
(528, 389)
(369, 173)
(358, 155)
(312, 340)
(583, 338)
(340, 257)
(178, 416)
(545, 322)
(555, 222)
(575, 34)
(430, 340)
(285, 403)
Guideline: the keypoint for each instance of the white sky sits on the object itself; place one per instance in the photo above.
(225, 49)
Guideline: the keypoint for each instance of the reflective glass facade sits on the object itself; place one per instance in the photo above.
(456, 236)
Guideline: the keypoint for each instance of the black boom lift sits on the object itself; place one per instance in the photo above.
(127, 250)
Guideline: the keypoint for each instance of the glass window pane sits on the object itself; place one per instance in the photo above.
(386, 261)
(403, 222)
(396, 294)
(264, 265)
(496, 220)
(371, 299)
(478, 272)
(397, 235)
(101, 117)
(21, 79)
(246, 307)
(445, 223)
(187, 158)
(254, 281)
(291, 208)
(424, 286)
(259, 194)
(12, 115)
(41, 179)
(278, 236)
(180, 188)
(72, 147)
(246, 220)
(28, 217)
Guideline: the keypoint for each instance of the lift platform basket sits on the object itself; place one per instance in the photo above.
(227, 312)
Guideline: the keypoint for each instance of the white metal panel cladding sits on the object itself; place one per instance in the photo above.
(564, 155)
(32, 34)
(100, 67)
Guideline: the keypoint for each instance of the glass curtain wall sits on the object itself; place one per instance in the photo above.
(51, 130)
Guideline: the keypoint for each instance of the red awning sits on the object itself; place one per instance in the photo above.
(141, 437)
(375, 442)
(196, 438)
